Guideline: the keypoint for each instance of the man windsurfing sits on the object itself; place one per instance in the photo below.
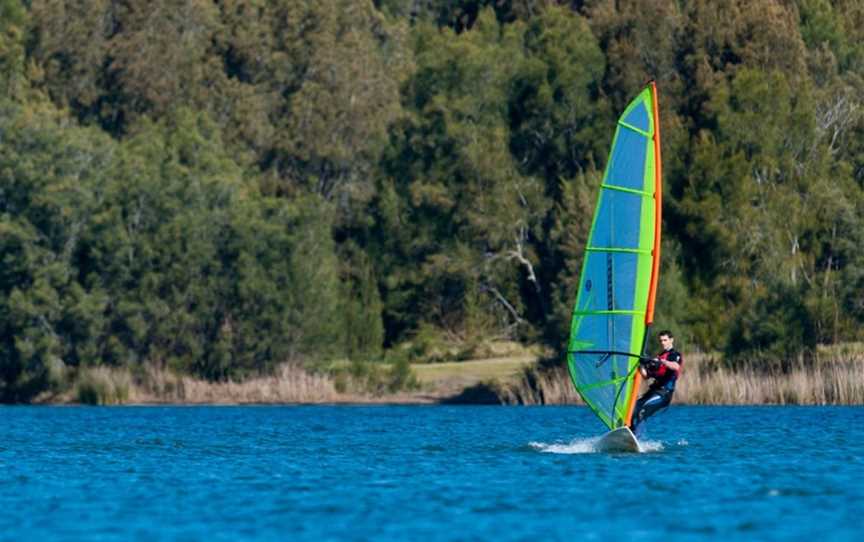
(664, 369)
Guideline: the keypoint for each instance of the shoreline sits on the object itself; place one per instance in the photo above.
(706, 380)
(385, 403)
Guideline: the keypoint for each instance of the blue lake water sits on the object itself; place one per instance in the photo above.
(427, 473)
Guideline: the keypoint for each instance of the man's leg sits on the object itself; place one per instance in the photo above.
(638, 411)
(648, 405)
(660, 399)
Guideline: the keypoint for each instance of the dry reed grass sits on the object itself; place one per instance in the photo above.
(837, 381)
(290, 384)
(547, 386)
(834, 377)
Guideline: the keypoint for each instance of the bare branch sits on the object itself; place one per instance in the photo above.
(519, 255)
(494, 291)
(835, 117)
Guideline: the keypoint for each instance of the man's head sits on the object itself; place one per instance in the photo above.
(666, 339)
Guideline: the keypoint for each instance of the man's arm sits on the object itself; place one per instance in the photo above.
(674, 365)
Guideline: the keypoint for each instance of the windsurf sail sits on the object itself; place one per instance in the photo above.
(617, 288)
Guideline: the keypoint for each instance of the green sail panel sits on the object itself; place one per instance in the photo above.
(608, 328)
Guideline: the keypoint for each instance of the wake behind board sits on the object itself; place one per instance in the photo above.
(617, 441)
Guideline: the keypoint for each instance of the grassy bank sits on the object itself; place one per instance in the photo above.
(835, 376)
(449, 380)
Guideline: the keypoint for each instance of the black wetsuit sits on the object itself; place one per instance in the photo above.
(659, 394)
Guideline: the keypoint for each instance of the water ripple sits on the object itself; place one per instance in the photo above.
(426, 473)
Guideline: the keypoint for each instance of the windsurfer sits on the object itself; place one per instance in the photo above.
(664, 369)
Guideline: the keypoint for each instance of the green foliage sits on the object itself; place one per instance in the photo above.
(426, 344)
(500, 112)
(645, 40)
(401, 377)
(822, 26)
(364, 329)
(765, 203)
(153, 250)
(347, 96)
(220, 187)
(774, 328)
(360, 376)
(218, 280)
(559, 125)
(50, 173)
(113, 62)
(568, 235)
(285, 300)
(166, 221)
(461, 15)
(13, 24)
(674, 310)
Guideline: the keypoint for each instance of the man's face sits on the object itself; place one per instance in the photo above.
(666, 342)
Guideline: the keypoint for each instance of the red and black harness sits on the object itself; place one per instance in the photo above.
(664, 377)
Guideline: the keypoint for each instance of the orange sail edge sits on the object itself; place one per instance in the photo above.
(637, 381)
(655, 264)
(658, 210)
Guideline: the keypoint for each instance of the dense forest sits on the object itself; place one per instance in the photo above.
(221, 186)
